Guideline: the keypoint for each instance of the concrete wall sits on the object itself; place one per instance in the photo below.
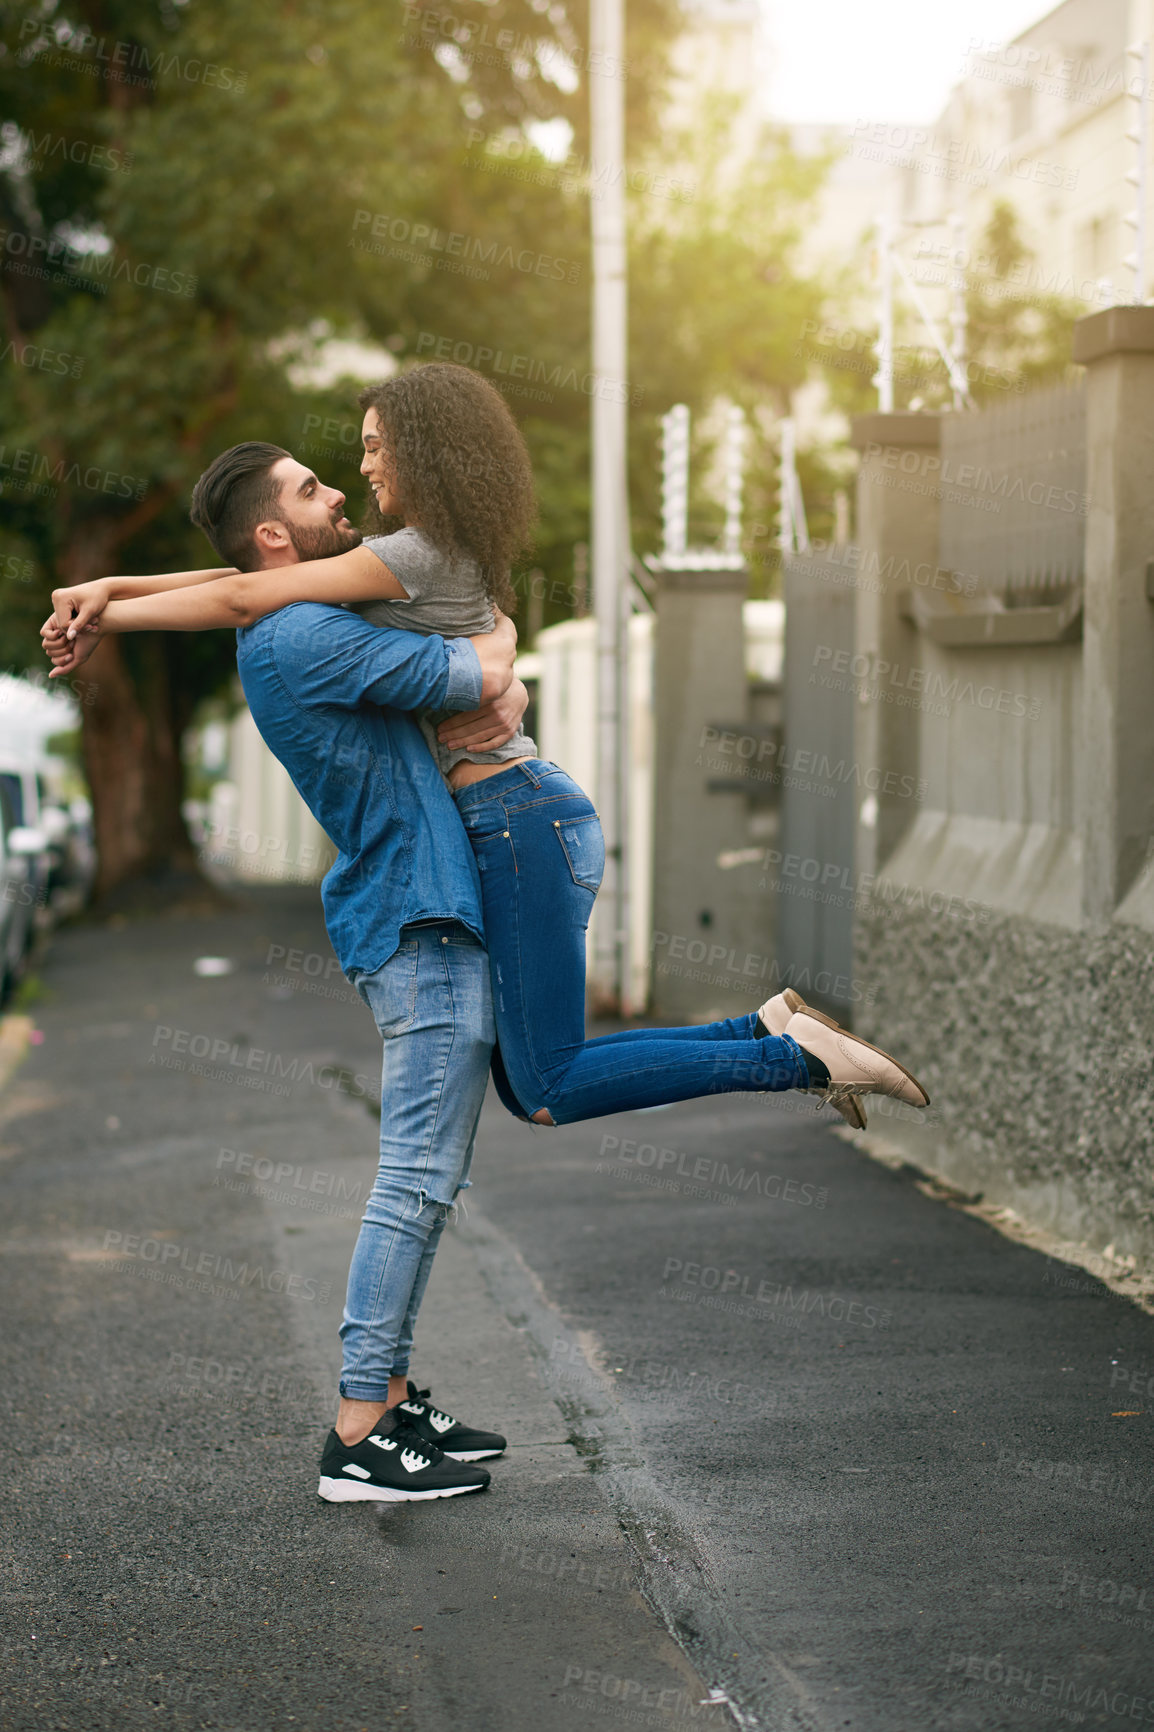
(1005, 921)
(567, 736)
(567, 713)
(258, 828)
(819, 791)
(699, 686)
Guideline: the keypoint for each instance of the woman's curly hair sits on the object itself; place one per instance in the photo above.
(462, 472)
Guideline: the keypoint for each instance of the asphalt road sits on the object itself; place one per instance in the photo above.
(782, 1427)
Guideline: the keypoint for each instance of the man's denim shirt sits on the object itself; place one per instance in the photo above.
(316, 679)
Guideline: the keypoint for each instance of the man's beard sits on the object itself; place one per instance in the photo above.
(323, 543)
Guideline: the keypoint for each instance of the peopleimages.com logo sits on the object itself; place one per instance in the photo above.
(470, 249)
(227, 1060)
(202, 1265)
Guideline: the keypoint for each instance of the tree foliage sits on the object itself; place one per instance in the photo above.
(199, 195)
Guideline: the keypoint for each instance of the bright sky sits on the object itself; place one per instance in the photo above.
(847, 60)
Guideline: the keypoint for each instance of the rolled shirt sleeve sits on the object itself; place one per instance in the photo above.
(465, 677)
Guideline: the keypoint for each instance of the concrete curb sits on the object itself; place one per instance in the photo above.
(677, 1577)
(1119, 1274)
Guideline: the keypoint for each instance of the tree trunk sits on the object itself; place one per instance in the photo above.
(132, 757)
(131, 732)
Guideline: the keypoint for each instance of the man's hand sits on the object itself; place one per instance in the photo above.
(78, 604)
(496, 651)
(491, 726)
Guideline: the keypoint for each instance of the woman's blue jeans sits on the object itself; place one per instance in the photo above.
(540, 852)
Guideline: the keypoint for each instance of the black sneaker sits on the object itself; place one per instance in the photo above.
(392, 1465)
(459, 1441)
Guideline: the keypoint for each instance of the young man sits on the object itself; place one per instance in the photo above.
(330, 694)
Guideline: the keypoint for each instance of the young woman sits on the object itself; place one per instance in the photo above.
(453, 488)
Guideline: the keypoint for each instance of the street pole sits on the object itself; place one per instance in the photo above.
(610, 528)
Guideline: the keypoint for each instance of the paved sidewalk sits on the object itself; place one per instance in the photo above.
(175, 1247)
(873, 1465)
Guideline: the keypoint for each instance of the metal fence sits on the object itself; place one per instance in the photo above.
(1014, 493)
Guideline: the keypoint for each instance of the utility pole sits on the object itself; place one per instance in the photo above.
(610, 527)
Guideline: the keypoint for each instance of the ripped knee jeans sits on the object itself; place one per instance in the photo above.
(432, 1004)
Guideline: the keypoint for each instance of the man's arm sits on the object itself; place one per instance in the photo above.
(492, 725)
(328, 656)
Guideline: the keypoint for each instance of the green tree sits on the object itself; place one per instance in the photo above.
(185, 189)
(719, 300)
(1017, 332)
(197, 196)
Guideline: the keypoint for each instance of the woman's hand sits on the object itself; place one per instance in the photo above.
(67, 653)
(76, 605)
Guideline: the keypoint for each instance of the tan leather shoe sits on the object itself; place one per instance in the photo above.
(774, 1017)
(855, 1067)
(776, 1012)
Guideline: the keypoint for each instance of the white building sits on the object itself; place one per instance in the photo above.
(1045, 123)
(1041, 122)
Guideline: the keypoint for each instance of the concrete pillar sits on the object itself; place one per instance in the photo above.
(815, 933)
(699, 683)
(897, 517)
(1117, 349)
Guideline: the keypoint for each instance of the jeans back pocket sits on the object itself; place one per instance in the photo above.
(584, 848)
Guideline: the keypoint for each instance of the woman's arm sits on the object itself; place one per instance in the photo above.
(87, 601)
(245, 596)
(183, 610)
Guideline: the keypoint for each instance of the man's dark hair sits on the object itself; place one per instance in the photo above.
(235, 493)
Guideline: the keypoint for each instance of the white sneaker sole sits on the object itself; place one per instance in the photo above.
(471, 1454)
(355, 1491)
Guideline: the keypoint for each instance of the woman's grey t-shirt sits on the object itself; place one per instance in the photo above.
(446, 598)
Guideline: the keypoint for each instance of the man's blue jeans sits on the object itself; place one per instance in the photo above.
(433, 1005)
(539, 849)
